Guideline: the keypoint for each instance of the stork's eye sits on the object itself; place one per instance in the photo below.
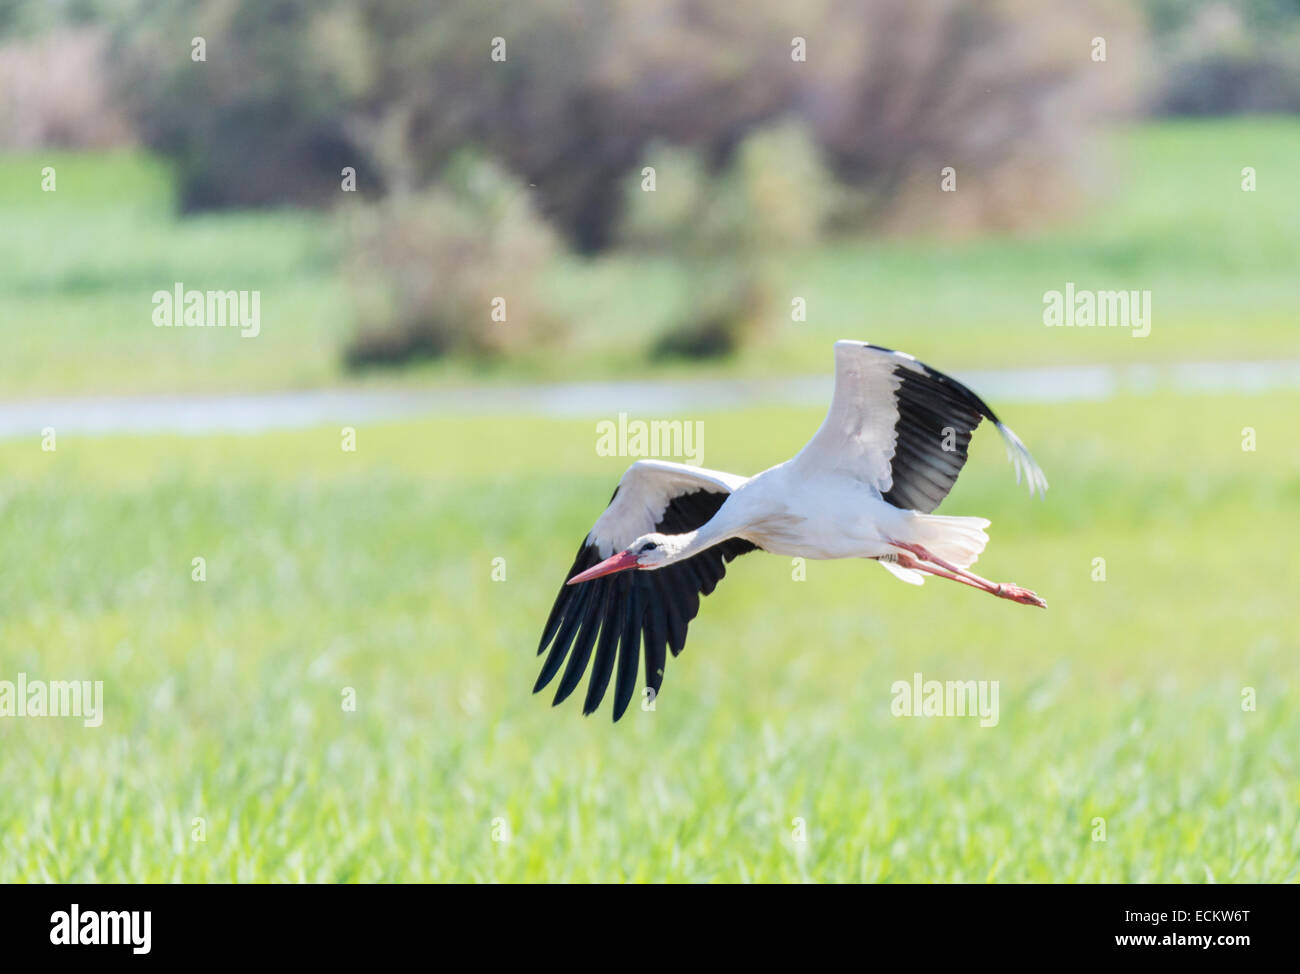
(648, 546)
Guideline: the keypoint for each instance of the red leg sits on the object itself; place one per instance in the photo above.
(931, 565)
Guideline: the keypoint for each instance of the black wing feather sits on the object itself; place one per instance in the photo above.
(613, 615)
(582, 624)
(930, 404)
(655, 636)
(633, 609)
(629, 647)
(570, 617)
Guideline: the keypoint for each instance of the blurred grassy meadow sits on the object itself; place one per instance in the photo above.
(227, 751)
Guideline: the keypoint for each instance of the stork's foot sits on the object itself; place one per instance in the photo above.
(1022, 595)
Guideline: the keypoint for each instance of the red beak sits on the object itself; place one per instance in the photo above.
(620, 562)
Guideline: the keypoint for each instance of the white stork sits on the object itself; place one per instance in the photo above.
(889, 451)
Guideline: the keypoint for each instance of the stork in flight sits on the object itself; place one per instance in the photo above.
(889, 451)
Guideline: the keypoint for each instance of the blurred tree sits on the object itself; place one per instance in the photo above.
(293, 90)
(261, 119)
(1227, 57)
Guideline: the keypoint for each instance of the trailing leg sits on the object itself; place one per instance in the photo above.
(917, 558)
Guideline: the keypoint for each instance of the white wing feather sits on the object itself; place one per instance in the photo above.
(857, 436)
(644, 493)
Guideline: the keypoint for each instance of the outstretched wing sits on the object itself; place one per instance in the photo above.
(636, 609)
(904, 428)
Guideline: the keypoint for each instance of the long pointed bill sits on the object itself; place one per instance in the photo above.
(620, 562)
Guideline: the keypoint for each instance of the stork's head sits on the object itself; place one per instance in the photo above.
(647, 552)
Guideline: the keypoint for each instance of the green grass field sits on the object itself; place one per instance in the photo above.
(372, 570)
(1163, 211)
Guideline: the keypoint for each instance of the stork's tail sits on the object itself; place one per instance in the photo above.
(959, 540)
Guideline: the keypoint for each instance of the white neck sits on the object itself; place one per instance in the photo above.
(691, 543)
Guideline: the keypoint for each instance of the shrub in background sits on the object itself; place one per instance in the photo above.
(424, 269)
